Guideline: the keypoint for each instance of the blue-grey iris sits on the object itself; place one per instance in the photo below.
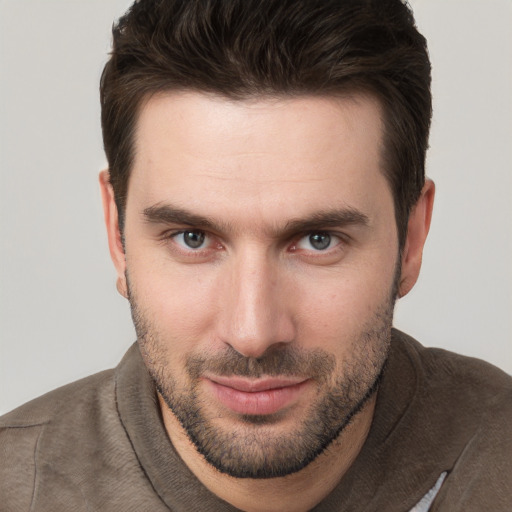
(320, 241)
(194, 239)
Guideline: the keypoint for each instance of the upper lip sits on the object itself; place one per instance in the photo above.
(255, 385)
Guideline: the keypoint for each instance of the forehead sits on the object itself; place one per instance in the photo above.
(206, 152)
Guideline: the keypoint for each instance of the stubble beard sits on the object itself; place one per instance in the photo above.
(253, 447)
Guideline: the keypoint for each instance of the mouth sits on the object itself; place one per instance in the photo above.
(256, 396)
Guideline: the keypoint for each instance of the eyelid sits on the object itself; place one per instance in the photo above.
(211, 243)
(184, 246)
(342, 240)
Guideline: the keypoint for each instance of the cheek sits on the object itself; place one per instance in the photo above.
(342, 305)
(178, 303)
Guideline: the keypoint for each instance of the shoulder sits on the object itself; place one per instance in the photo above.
(462, 412)
(60, 417)
(467, 380)
(443, 395)
(50, 406)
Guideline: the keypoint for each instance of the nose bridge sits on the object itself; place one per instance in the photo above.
(255, 315)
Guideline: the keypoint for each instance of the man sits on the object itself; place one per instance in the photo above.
(265, 205)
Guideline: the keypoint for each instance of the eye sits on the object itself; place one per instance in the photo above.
(319, 241)
(192, 239)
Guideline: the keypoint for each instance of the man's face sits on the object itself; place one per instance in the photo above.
(261, 253)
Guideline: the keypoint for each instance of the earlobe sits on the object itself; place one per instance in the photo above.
(417, 231)
(121, 287)
(113, 232)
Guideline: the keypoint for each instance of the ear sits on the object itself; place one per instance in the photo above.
(417, 231)
(115, 243)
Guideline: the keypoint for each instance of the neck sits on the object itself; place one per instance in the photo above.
(297, 492)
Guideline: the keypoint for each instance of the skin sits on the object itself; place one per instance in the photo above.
(257, 178)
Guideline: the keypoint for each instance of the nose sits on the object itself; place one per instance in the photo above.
(256, 313)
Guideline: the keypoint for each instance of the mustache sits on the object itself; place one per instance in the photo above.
(277, 361)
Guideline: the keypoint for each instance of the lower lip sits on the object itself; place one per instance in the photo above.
(269, 401)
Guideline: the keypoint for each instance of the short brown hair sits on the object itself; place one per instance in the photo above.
(248, 48)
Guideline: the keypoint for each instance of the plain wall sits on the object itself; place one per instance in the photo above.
(60, 315)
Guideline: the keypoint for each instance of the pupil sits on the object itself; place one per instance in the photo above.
(193, 239)
(320, 241)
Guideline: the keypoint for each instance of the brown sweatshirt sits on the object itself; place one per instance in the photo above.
(99, 444)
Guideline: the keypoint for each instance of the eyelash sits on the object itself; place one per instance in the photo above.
(189, 252)
(200, 252)
(331, 236)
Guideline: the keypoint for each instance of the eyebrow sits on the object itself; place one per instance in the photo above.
(328, 219)
(320, 220)
(167, 214)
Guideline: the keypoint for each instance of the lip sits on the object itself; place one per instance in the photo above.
(256, 397)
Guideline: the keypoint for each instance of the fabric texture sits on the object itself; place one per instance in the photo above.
(99, 444)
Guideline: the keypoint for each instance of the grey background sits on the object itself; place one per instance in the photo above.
(60, 315)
